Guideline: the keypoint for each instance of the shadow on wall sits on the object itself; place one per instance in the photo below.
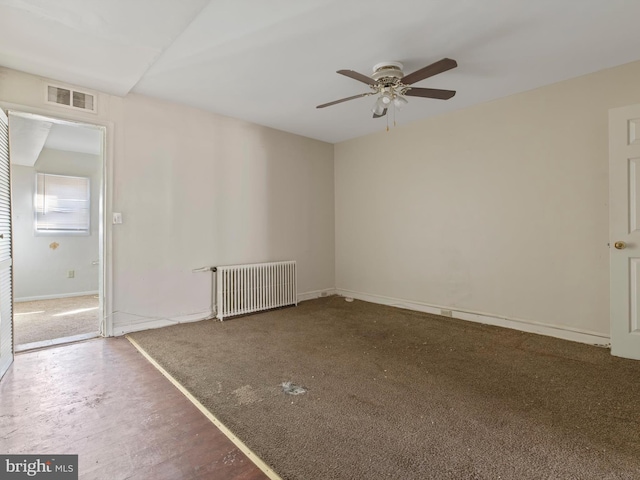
(198, 189)
(275, 202)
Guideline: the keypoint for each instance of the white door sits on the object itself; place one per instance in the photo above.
(6, 297)
(624, 230)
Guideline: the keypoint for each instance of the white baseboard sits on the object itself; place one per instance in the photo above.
(558, 331)
(159, 323)
(137, 325)
(53, 297)
(316, 294)
(25, 347)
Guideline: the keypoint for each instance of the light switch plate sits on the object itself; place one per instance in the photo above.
(117, 218)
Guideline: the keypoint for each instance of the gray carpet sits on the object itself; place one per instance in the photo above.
(395, 394)
(41, 320)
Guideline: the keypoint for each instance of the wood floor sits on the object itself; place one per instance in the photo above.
(102, 400)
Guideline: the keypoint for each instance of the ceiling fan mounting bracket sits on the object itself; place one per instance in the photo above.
(387, 73)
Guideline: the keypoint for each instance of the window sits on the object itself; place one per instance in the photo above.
(62, 204)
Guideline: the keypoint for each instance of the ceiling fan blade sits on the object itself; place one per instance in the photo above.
(430, 93)
(343, 100)
(384, 112)
(358, 76)
(430, 70)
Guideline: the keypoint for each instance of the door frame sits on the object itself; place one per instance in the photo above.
(7, 357)
(105, 234)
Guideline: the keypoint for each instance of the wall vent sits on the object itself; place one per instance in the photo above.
(69, 97)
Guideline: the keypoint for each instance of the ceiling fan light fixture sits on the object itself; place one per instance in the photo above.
(399, 101)
(378, 107)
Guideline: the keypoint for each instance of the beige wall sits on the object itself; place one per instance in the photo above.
(198, 189)
(501, 208)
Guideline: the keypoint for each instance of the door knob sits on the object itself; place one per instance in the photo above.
(620, 245)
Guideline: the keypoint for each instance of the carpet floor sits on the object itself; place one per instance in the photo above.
(396, 394)
(41, 320)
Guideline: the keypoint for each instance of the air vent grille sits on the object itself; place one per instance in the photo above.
(71, 98)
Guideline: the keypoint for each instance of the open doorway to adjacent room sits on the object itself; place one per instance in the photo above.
(56, 188)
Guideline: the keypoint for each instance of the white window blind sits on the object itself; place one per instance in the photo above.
(62, 204)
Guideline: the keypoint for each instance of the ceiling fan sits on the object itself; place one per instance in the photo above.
(391, 85)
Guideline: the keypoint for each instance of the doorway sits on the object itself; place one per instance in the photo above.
(57, 178)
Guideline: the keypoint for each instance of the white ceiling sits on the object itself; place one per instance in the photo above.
(27, 138)
(272, 62)
(74, 138)
(106, 45)
(28, 135)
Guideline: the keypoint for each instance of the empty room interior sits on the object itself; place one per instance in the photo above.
(320, 240)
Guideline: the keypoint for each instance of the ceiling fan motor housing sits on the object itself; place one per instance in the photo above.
(387, 73)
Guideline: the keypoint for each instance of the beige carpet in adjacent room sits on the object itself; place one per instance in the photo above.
(395, 394)
(40, 320)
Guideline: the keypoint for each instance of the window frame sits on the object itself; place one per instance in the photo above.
(61, 233)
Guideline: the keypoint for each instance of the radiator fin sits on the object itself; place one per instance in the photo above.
(243, 289)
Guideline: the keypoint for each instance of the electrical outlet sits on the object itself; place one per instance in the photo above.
(71, 274)
(446, 313)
